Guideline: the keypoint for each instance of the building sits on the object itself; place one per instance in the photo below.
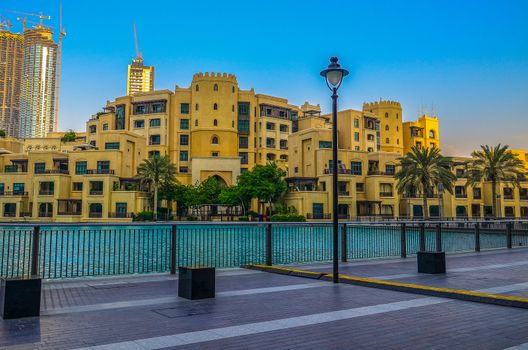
(39, 73)
(423, 132)
(140, 78)
(11, 60)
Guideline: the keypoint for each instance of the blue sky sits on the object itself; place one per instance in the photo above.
(468, 59)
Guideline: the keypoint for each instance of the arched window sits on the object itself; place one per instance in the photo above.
(232, 123)
(197, 87)
(214, 140)
(215, 88)
(397, 115)
(386, 114)
(397, 141)
(397, 128)
(196, 122)
(232, 108)
(387, 140)
(387, 127)
(233, 89)
(196, 106)
(215, 106)
(431, 134)
(215, 122)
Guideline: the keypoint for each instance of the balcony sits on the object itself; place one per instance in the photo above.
(344, 193)
(386, 194)
(46, 192)
(45, 214)
(119, 215)
(95, 214)
(382, 173)
(524, 198)
(69, 213)
(14, 193)
(461, 195)
(100, 172)
(319, 216)
(9, 214)
(414, 195)
(508, 196)
(96, 192)
(53, 171)
(339, 171)
(25, 214)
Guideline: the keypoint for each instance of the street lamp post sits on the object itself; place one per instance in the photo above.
(334, 76)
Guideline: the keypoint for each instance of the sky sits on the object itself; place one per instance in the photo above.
(466, 61)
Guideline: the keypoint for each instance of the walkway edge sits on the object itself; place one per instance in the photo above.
(466, 295)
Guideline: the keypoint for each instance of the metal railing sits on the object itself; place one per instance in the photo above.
(14, 193)
(386, 194)
(100, 171)
(78, 250)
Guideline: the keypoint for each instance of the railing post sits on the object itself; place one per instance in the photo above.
(173, 250)
(477, 237)
(439, 237)
(35, 251)
(422, 237)
(509, 227)
(403, 240)
(344, 249)
(269, 245)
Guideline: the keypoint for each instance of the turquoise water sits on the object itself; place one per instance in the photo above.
(66, 252)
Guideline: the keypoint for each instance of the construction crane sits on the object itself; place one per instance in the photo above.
(39, 15)
(62, 34)
(138, 53)
(5, 24)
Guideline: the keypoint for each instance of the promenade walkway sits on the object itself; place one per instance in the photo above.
(259, 310)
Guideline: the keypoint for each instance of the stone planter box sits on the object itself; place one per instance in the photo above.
(20, 297)
(431, 262)
(196, 282)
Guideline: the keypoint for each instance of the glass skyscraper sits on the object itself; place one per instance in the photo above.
(11, 59)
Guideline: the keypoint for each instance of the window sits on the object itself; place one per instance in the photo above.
(184, 169)
(386, 127)
(386, 115)
(397, 115)
(184, 108)
(103, 166)
(390, 169)
(283, 144)
(243, 142)
(77, 186)
(281, 114)
(370, 149)
(387, 140)
(360, 187)
(356, 123)
(370, 137)
(196, 107)
(93, 129)
(121, 209)
(196, 122)
(460, 192)
(139, 124)
(284, 128)
(40, 168)
(153, 154)
(214, 140)
(154, 140)
(18, 188)
(214, 154)
(270, 142)
(356, 148)
(215, 106)
(270, 126)
(233, 89)
(355, 168)
(184, 140)
(105, 126)
(120, 117)
(140, 109)
(215, 88)
(232, 108)
(325, 144)
(232, 123)
(283, 157)
(93, 143)
(243, 157)
(215, 122)
(197, 88)
(184, 156)
(80, 167)
(508, 193)
(477, 193)
(243, 108)
(47, 188)
(158, 107)
(112, 145)
(243, 125)
(356, 136)
(431, 134)
(397, 141)
(184, 124)
(155, 123)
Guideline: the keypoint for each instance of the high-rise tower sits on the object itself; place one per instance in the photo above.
(39, 73)
(11, 59)
(140, 77)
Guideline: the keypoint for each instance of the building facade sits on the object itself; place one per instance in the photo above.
(11, 60)
(140, 78)
(39, 73)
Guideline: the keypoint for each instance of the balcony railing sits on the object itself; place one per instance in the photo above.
(95, 214)
(339, 171)
(386, 194)
(13, 193)
(318, 216)
(45, 214)
(100, 171)
(413, 195)
(460, 195)
(46, 192)
(9, 214)
(53, 171)
(344, 193)
(508, 196)
(119, 215)
(96, 192)
(69, 213)
(383, 173)
(25, 214)
(524, 198)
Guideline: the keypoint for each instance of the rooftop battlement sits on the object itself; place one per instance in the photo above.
(381, 103)
(215, 76)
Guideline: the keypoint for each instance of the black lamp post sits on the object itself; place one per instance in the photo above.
(334, 76)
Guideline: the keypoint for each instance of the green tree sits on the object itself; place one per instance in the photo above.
(3, 133)
(495, 164)
(69, 136)
(264, 182)
(157, 172)
(421, 170)
(235, 195)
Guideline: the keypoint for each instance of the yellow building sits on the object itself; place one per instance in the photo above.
(140, 78)
(423, 132)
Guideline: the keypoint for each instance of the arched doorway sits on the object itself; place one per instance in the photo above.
(220, 180)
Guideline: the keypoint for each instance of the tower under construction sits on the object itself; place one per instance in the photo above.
(140, 77)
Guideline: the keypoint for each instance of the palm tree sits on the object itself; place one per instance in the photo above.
(156, 171)
(421, 170)
(495, 164)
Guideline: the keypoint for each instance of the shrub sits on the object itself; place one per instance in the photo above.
(252, 213)
(288, 218)
(192, 218)
(143, 216)
(3, 133)
(243, 218)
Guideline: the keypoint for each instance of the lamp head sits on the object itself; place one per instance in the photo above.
(334, 74)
